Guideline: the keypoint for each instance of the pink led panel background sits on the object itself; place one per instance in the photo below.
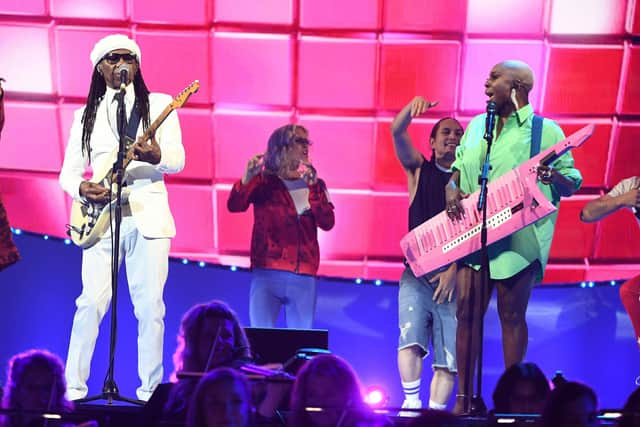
(343, 76)
(407, 67)
(100, 9)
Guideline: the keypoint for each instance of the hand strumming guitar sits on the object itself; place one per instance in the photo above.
(93, 192)
(147, 151)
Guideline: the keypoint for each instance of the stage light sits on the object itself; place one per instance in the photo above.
(185, 261)
(583, 285)
(358, 281)
(376, 397)
(201, 264)
(612, 283)
(233, 268)
(378, 282)
(610, 415)
(17, 231)
(591, 284)
(51, 417)
(45, 237)
(67, 241)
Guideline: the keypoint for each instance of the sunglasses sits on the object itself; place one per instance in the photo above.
(114, 58)
(301, 140)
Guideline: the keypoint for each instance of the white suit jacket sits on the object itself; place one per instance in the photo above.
(146, 191)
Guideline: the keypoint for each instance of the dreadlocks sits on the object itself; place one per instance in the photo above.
(96, 94)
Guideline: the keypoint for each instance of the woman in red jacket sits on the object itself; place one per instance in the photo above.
(8, 251)
(289, 204)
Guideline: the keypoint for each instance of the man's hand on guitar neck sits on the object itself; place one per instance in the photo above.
(94, 192)
(147, 151)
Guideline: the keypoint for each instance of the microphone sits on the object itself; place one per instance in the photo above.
(123, 70)
(483, 179)
(490, 121)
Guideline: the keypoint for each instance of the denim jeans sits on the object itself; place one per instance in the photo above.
(272, 289)
(423, 321)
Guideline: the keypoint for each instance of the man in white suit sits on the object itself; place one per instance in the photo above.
(147, 224)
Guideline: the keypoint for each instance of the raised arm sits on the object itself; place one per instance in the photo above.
(409, 157)
(605, 205)
(240, 197)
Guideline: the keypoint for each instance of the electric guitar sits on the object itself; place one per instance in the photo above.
(89, 220)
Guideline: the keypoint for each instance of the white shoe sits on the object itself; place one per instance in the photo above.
(410, 404)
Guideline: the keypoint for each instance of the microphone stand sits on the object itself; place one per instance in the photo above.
(477, 405)
(110, 389)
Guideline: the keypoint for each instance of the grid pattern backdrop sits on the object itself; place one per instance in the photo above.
(342, 68)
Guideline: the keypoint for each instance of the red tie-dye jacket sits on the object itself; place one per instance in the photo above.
(282, 239)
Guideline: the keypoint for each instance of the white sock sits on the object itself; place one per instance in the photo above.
(411, 389)
(434, 405)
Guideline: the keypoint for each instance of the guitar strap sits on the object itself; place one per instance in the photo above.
(536, 135)
(134, 122)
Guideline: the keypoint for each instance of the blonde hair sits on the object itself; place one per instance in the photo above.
(279, 141)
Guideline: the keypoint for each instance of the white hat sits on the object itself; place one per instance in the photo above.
(114, 42)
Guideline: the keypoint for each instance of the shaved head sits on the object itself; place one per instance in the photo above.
(520, 73)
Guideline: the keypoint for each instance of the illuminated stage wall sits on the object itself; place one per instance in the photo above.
(342, 68)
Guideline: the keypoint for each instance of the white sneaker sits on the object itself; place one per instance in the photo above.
(410, 404)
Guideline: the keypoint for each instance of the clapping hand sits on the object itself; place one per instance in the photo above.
(255, 165)
(309, 173)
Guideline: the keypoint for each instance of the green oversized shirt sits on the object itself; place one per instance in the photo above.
(513, 147)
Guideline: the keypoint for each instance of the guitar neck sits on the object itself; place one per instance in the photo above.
(157, 122)
(176, 103)
(151, 130)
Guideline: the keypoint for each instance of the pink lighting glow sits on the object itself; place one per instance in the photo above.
(596, 16)
(344, 76)
(376, 397)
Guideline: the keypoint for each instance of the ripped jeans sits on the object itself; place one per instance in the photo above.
(422, 321)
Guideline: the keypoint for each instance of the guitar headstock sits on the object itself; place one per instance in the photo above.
(183, 96)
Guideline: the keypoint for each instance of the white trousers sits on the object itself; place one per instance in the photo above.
(147, 268)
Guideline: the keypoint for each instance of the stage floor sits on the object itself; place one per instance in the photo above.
(583, 332)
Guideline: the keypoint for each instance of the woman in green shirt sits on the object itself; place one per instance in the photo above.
(517, 261)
